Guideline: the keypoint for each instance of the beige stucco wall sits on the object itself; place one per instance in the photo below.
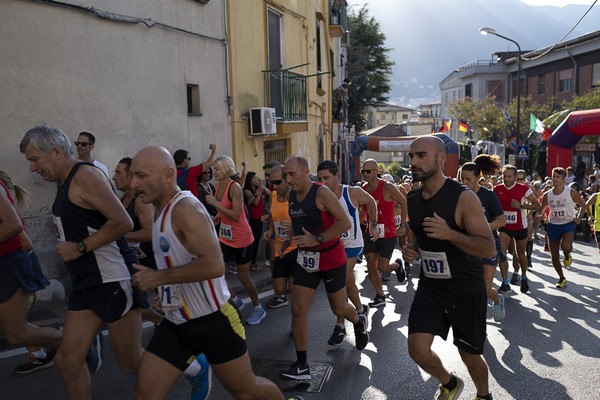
(247, 28)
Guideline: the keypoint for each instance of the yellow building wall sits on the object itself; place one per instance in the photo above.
(248, 57)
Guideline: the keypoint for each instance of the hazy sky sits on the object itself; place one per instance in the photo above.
(558, 3)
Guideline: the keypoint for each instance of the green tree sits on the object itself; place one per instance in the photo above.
(369, 67)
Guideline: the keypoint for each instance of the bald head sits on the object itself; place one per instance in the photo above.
(155, 156)
(154, 174)
(432, 143)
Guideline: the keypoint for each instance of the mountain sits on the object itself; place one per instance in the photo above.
(430, 38)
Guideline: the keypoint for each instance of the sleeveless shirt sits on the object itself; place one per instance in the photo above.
(562, 207)
(14, 243)
(193, 299)
(236, 234)
(280, 212)
(466, 271)
(385, 210)
(73, 223)
(352, 238)
(143, 250)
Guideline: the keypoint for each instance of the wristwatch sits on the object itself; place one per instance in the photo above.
(81, 247)
(320, 239)
(373, 223)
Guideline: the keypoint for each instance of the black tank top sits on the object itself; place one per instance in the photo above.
(73, 224)
(146, 247)
(466, 271)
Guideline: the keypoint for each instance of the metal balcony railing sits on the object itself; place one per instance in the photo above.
(338, 16)
(286, 93)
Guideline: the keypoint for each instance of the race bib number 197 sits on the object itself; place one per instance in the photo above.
(434, 264)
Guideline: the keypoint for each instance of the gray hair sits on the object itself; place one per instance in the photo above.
(46, 138)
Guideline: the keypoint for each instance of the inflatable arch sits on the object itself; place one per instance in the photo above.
(402, 143)
(566, 136)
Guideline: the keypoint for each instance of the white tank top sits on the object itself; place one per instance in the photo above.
(183, 301)
(562, 207)
(353, 237)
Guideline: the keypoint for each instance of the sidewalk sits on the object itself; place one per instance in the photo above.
(52, 313)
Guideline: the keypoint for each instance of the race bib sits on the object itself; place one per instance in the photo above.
(137, 250)
(280, 231)
(309, 260)
(559, 214)
(226, 232)
(434, 264)
(60, 232)
(346, 235)
(510, 217)
(397, 220)
(381, 230)
(170, 297)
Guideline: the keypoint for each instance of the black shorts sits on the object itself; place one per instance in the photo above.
(521, 234)
(434, 314)
(20, 270)
(243, 255)
(335, 279)
(109, 301)
(384, 246)
(285, 266)
(220, 336)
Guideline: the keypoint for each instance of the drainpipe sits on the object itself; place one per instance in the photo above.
(575, 73)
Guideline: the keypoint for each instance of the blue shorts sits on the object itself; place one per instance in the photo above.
(355, 252)
(556, 232)
(494, 260)
(20, 270)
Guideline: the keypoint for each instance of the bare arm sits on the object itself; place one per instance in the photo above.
(145, 213)
(211, 159)
(395, 195)
(498, 222)
(583, 208)
(193, 227)
(360, 197)
(235, 192)
(534, 203)
(10, 223)
(589, 204)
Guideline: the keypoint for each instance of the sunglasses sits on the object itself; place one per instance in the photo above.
(83, 144)
(277, 182)
(366, 171)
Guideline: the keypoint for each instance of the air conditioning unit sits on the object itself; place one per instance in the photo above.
(263, 121)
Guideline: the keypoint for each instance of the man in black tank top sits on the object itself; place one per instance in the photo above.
(450, 233)
(90, 223)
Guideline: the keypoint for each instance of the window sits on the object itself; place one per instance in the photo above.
(193, 100)
(564, 80)
(404, 117)
(542, 84)
(275, 60)
(596, 75)
(469, 90)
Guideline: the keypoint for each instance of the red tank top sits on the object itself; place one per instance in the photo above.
(236, 234)
(14, 243)
(385, 211)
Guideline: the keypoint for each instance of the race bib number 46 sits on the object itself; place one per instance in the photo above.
(434, 264)
(510, 217)
(309, 260)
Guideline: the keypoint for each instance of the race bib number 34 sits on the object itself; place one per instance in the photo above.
(434, 264)
(309, 260)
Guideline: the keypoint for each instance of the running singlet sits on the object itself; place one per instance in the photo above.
(236, 234)
(597, 214)
(14, 243)
(305, 214)
(143, 251)
(516, 219)
(444, 267)
(191, 177)
(182, 302)
(256, 211)
(385, 212)
(562, 207)
(73, 224)
(353, 237)
(491, 205)
(280, 212)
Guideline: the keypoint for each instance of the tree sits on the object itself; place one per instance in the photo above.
(369, 67)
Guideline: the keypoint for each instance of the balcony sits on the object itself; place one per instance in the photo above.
(285, 91)
(338, 20)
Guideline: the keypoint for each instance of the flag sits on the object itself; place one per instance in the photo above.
(546, 134)
(443, 127)
(449, 125)
(535, 124)
(463, 127)
(507, 118)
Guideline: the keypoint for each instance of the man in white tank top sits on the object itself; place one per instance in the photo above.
(198, 317)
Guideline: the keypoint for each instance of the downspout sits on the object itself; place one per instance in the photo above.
(575, 73)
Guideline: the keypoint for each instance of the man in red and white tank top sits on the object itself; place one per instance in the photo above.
(379, 252)
(513, 196)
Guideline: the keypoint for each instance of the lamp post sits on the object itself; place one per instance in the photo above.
(490, 31)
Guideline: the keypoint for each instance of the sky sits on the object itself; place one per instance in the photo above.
(557, 3)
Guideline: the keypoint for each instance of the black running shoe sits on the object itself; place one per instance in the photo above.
(296, 372)
(337, 337)
(524, 285)
(400, 272)
(34, 364)
(378, 301)
(361, 336)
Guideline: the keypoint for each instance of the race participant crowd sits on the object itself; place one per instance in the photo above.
(152, 240)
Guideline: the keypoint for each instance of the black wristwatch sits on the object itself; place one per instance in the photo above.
(81, 247)
(320, 239)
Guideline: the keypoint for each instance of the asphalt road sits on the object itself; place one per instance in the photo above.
(547, 347)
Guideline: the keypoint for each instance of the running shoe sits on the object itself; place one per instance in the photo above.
(515, 279)
(32, 363)
(277, 301)
(94, 354)
(445, 394)
(378, 301)
(296, 372)
(504, 288)
(295, 397)
(489, 397)
(385, 276)
(202, 382)
(407, 268)
(400, 272)
(257, 316)
(366, 314)
(361, 336)
(561, 283)
(524, 285)
(239, 303)
(499, 311)
(568, 260)
(337, 337)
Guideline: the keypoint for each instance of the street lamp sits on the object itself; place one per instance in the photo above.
(490, 31)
